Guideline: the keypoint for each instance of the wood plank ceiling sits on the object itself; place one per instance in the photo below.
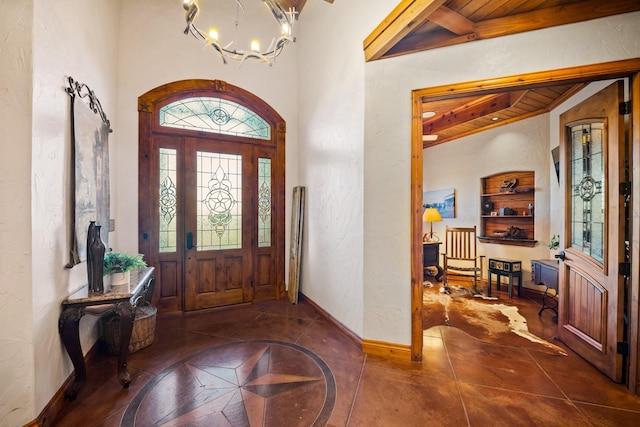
(419, 25)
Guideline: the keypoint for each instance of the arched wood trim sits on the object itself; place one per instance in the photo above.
(149, 105)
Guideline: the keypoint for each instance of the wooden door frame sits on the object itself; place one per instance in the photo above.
(148, 105)
(572, 75)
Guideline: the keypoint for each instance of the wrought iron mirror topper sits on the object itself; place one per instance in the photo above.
(81, 90)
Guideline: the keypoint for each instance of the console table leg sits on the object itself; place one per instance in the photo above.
(126, 327)
(68, 327)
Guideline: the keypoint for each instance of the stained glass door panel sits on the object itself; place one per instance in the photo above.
(218, 224)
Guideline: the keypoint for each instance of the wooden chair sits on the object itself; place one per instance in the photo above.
(460, 256)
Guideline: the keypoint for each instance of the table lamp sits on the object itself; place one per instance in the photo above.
(431, 215)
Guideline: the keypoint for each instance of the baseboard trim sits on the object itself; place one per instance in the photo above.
(50, 412)
(386, 349)
(348, 333)
(374, 348)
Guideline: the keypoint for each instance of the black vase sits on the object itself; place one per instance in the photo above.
(91, 234)
(97, 250)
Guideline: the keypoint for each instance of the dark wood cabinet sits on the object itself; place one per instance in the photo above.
(508, 209)
(430, 255)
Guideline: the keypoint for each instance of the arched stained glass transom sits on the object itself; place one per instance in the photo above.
(215, 115)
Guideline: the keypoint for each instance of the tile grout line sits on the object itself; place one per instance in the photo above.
(455, 377)
(355, 394)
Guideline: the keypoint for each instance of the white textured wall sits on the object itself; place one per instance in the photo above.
(79, 39)
(332, 152)
(387, 269)
(16, 332)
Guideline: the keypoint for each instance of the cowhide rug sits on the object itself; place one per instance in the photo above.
(481, 317)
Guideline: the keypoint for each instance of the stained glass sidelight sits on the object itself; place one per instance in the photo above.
(168, 200)
(264, 202)
(219, 201)
(588, 181)
(214, 115)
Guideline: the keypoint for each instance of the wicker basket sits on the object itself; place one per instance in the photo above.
(142, 335)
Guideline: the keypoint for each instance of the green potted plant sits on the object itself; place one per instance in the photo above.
(555, 242)
(119, 265)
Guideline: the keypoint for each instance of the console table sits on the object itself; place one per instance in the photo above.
(505, 267)
(430, 256)
(119, 299)
(545, 272)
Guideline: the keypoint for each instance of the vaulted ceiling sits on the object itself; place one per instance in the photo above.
(419, 25)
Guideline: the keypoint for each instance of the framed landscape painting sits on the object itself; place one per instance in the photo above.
(443, 200)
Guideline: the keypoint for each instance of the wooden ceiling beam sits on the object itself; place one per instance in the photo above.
(452, 21)
(396, 35)
(517, 97)
(403, 19)
(471, 111)
(550, 17)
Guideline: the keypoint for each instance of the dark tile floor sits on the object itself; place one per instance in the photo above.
(276, 364)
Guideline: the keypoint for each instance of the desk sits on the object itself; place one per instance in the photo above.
(545, 272)
(505, 267)
(430, 256)
(119, 299)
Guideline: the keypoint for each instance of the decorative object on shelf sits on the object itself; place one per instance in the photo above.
(431, 215)
(516, 233)
(507, 211)
(487, 206)
(554, 244)
(96, 257)
(210, 38)
(119, 265)
(509, 185)
(530, 208)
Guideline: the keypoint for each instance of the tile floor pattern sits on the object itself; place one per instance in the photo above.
(277, 364)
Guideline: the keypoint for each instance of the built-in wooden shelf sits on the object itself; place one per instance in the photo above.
(508, 209)
(507, 241)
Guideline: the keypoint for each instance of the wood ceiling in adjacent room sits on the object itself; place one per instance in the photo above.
(419, 25)
(459, 117)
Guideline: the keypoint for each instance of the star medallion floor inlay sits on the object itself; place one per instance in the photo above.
(250, 383)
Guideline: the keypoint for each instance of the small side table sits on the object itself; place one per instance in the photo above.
(119, 299)
(505, 267)
(430, 256)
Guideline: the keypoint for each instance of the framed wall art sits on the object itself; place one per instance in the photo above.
(443, 200)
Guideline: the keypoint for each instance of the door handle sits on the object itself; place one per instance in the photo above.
(561, 256)
(190, 244)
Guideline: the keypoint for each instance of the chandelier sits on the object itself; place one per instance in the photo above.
(284, 19)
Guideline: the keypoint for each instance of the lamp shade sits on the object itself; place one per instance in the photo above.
(431, 215)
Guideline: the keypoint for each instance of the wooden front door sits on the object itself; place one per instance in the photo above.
(211, 200)
(591, 293)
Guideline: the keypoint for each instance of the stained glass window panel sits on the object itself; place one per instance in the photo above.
(588, 182)
(219, 201)
(168, 200)
(264, 203)
(214, 115)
